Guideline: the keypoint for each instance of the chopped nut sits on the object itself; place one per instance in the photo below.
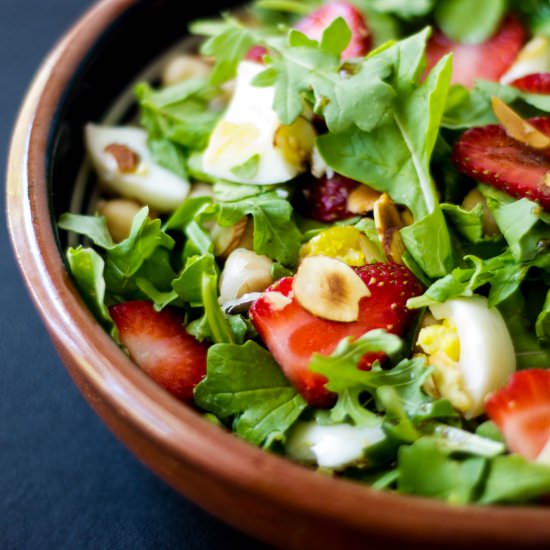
(126, 159)
(388, 222)
(184, 67)
(227, 239)
(119, 214)
(361, 200)
(518, 128)
(329, 289)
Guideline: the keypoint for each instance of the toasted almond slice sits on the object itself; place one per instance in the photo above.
(361, 200)
(388, 222)
(329, 289)
(226, 239)
(518, 128)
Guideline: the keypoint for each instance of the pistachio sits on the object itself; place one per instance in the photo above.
(329, 289)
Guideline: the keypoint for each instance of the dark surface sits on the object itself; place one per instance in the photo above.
(65, 482)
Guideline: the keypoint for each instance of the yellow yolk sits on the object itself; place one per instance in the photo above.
(346, 244)
(441, 345)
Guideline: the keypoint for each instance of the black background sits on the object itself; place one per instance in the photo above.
(65, 482)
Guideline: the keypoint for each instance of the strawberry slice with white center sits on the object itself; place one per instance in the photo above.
(160, 345)
(521, 411)
(314, 24)
(536, 83)
(293, 335)
(489, 155)
(488, 60)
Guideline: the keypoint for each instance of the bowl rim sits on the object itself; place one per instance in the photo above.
(173, 426)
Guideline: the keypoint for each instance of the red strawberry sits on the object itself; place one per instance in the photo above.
(490, 156)
(536, 83)
(160, 345)
(256, 53)
(325, 199)
(488, 60)
(292, 334)
(316, 22)
(521, 410)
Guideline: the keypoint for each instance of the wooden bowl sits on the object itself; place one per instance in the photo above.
(264, 495)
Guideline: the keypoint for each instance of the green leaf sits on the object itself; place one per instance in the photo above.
(229, 44)
(470, 21)
(336, 37)
(87, 270)
(275, 233)
(395, 157)
(426, 470)
(543, 320)
(512, 479)
(244, 383)
(403, 8)
(469, 223)
(93, 227)
(248, 169)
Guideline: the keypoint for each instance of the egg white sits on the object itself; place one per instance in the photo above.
(150, 183)
(487, 357)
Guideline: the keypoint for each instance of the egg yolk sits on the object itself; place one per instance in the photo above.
(441, 345)
(346, 244)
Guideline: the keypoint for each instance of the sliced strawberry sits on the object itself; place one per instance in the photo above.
(160, 345)
(326, 199)
(490, 156)
(292, 334)
(521, 410)
(256, 53)
(488, 60)
(316, 22)
(536, 83)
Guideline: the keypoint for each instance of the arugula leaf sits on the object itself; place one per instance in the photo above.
(303, 67)
(455, 481)
(405, 9)
(511, 478)
(244, 383)
(247, 169)
(228, 43)
(470, 21)
(469, 223)
(180, 114)
(275, 232)
(87, 270)
(542, 326)
(395, 157)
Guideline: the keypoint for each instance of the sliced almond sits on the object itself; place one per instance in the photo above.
(517, 127)
(388, 222)
(119, 214)
(226, 239)
(329, 289)
(361, 200)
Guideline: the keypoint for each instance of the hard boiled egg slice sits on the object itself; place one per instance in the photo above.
(335, 446)
(533, 58)
(249, 143)
(471, 351)
(125, 166)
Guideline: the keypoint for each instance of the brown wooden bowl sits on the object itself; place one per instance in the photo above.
(264, 495)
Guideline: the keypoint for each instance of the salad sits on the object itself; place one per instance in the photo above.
(329, 232)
